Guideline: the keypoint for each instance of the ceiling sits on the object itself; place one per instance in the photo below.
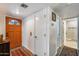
(15, 9)
(64, 10)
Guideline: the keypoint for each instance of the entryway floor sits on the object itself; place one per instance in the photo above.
(20, 51)
(67, 51)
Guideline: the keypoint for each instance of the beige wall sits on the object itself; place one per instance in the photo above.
(71, 29)
(71, 33)
(2, 25)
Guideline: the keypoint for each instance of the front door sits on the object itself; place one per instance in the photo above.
(13, 31)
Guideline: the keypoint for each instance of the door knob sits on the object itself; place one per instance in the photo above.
(35, 36)
(44, 35)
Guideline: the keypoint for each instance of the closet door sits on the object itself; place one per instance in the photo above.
(40, 29)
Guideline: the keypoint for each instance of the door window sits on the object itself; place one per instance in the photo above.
(14, 22)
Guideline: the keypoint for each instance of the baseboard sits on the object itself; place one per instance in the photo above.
(59, 52)
(61, 49)
(55, 53)
(78, 52)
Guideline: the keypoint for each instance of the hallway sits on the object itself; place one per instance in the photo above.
(41, 28)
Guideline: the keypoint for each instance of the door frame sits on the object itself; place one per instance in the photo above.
(78, 34)
(76, 31)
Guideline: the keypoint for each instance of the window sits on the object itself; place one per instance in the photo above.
(14, 22)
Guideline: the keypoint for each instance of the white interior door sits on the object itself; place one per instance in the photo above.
(40, 29)
(52, 39)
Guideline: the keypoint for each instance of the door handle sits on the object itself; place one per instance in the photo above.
(35, 36)
(44, 35)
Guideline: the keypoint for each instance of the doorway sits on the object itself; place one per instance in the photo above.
(13, 31)
(71, 33)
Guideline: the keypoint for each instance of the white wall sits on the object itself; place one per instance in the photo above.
(58, 32)
(56, 35)
(2, 26)
(52, 34)
(71, 23)
(27, 27)
(64, 31)
(61, 32)
(71, 32)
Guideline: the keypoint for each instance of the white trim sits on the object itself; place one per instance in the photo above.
(60, 50)
(77, 33)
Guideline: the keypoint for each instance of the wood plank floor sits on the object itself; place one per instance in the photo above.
(67, 51)
(21, 51)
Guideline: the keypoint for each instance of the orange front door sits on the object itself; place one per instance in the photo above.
(13, 31)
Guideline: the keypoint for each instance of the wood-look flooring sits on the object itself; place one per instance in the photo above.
(67, 51)
(21, 51)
